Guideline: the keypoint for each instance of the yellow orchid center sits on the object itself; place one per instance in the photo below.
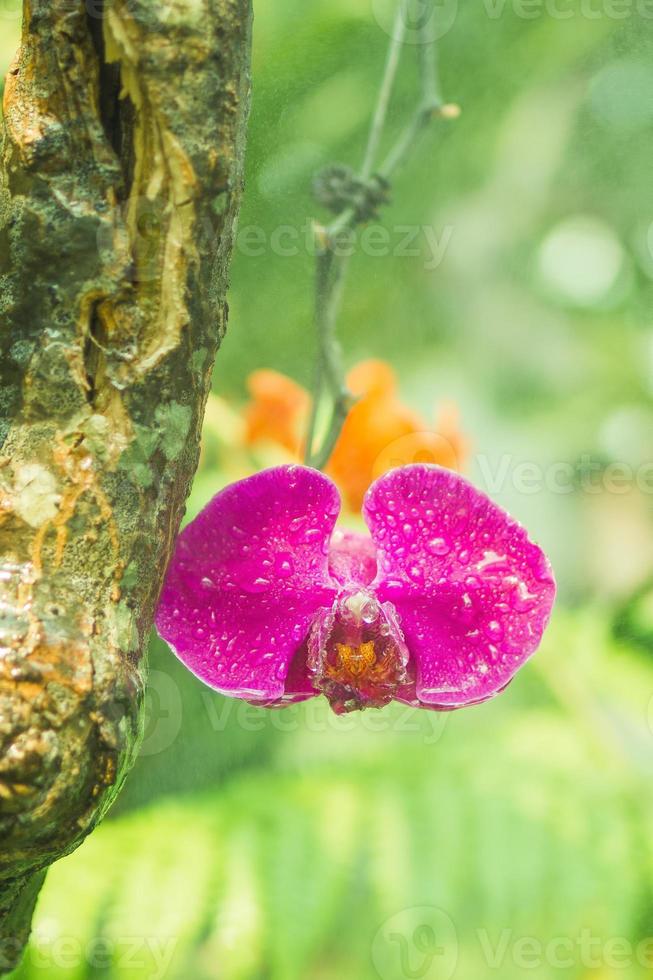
(356, 659)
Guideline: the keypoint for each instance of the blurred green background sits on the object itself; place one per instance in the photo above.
(513, 839)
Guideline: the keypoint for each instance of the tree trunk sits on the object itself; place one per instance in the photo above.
(120, 181)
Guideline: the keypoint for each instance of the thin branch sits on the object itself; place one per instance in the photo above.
(329, 282)
(429, 107)
(428, 67)
(385, 92)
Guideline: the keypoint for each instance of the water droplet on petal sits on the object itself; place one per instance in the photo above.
(394, 585)
(494, 629)
(439, 546)
(284, 565)
(370, 611)
(522, 600)
(464, 610)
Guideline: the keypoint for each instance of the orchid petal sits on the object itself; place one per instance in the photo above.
(352, 558)
(473, 594)
(247, 579)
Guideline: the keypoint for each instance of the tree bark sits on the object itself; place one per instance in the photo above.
(120, 181)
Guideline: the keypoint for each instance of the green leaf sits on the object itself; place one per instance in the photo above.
(522, 835)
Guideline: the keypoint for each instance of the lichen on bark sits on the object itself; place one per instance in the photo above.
(120, 179)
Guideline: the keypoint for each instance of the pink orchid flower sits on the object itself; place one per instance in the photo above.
(439, 607)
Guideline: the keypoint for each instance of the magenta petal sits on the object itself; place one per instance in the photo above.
(352, 558)
(246, 580)
(473, 594)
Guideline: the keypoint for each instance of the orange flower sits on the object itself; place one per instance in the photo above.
(381, 433)
(278, 412)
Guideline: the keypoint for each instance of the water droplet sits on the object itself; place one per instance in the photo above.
(464, 610)
(439, 546)
(460, 519)
(260, 584)
(494, 629)
(369, 611)
(522, 600)
(492, 561)
(284, 565)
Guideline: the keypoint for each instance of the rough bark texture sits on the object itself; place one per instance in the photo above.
(120, 179)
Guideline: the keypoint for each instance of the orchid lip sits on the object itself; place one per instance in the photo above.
(356, 654)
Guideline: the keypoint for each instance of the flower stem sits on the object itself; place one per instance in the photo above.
(332, 266)
(385, 92)
(329, 280)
